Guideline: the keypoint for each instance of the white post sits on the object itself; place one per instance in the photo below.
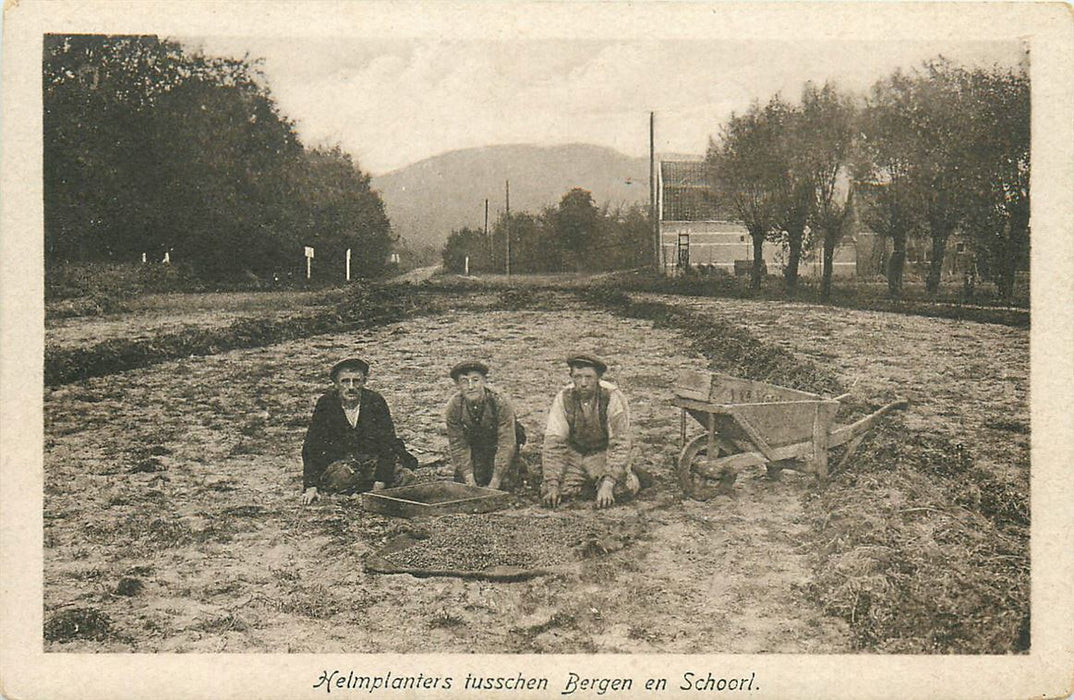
(467, 265)
(308, 267)
(143, 257)
(348, 264)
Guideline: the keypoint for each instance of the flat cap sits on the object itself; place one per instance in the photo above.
(584, 360)
(350, 363)
(469, 366)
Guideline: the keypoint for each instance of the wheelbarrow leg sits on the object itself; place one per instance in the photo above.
(852, 447)
(712, 436)
(821, 429)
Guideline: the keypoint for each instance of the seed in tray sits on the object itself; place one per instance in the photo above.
(476, 543)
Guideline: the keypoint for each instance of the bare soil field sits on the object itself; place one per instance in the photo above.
(156, 314)
(173, 521)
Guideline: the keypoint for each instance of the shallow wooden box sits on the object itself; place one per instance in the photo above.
(435, 498)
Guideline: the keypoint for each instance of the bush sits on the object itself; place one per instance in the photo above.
(116, 281)
(514, 299)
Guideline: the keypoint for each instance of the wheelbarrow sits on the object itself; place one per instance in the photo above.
(750, 423)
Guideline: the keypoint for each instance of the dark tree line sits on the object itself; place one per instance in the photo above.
(574, 236)
(926, 154)
(149, 148)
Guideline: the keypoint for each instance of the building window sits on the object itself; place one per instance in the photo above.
(741, 239)
(960, 248)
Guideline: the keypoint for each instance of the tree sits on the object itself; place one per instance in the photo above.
(531, 243)
(891, 199)
(467, 243)
(599, 239)
(97, 119)
(829, 117)
(794, 187)
(936, 115)
(626, 236)
(998, 169)
(746, 169)
(575, 225)
(150, 148)
(948, 149)
(343, 212)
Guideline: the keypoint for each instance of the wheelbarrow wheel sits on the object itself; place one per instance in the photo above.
(696, 478)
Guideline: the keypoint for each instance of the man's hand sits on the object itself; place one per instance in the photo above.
(551, 497)
(378, 485)
(470, 480)
(309, 495)
(605, 494)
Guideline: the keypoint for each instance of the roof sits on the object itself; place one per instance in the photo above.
(686, 194)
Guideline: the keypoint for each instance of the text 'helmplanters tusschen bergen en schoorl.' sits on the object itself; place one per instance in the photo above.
(568, 685)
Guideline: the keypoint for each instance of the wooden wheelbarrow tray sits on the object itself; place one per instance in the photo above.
(753, 423)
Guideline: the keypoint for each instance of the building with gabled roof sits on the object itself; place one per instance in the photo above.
(696, 232)
(699, 233)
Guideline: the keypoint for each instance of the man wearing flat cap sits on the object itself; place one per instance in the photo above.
(483, 437)
(587, 443)
(351, 445)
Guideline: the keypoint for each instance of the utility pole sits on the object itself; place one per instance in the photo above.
(653, 192)
(507, 232)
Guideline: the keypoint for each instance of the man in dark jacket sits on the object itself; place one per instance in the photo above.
(351, 445)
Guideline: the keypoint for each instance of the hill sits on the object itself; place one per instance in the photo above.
(427, 200)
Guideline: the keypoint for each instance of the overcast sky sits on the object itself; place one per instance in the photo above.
(393, 102)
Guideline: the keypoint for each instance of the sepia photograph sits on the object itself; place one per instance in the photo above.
(461, 343)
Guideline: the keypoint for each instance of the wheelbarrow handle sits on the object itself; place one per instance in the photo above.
(847, 432)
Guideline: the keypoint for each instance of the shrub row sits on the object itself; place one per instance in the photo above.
(362, 305)
(854, 296)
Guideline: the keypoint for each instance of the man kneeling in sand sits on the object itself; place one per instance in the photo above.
(351, 445)
(483, 435)
(587, 441)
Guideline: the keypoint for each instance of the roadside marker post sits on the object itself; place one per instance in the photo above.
(348, 264)
(309, 259)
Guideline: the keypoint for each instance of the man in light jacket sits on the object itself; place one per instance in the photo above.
(587, 442)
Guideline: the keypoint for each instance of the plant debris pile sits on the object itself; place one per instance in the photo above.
(727, 345)
(920, 553)
(478, 543)
(78, 623)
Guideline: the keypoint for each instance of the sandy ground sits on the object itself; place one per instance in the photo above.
(185, 477)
